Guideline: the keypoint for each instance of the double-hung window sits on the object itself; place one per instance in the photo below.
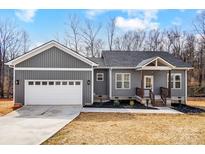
(175, 81)
(122, 81)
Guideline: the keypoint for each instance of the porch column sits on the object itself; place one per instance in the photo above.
(142, 82)
(169, 86)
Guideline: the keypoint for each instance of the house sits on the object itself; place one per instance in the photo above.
(53, 74)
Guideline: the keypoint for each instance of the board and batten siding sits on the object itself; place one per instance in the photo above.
(53, 58)
(52, 75)
(160, 80)
(101, 87)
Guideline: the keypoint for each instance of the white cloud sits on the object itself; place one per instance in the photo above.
(177, 21)
(138, 20)
(91, 14)
(26, 15)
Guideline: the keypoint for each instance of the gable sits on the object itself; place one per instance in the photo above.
(44, 48)
(53, 58)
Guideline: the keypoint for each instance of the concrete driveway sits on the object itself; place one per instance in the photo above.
(35, 124)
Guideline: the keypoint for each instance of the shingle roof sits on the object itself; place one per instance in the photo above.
(133, 58)
(99, 61)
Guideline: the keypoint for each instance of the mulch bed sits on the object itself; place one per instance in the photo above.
(186, 108)
(123, 105)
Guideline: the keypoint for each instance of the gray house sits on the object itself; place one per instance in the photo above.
(53, 74)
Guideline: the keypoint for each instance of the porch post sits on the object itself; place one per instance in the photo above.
(142, 82)
(169, 86)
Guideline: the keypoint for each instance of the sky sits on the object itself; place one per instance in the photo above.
(44, 25)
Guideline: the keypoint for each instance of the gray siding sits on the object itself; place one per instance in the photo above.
(53, 75)
(179, 92)
(54, 58)
(101, 87)
(160, 80)
(135, 82)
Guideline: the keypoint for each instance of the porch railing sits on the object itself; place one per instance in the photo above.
(164, 93)
(140, 92)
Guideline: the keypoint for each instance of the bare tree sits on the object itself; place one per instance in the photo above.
(111, 28)
(89, 34)
(199, 26)
(154, 41)
(177, 40)
(73, 36)
(10, 42)
(130, 41)
(26, 42)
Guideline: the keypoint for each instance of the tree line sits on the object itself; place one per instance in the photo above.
(186, 45)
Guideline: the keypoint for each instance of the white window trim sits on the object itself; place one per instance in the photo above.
(122, 81)
(174, 86)
(100, 74)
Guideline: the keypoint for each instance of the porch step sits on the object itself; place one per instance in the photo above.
(158, 103)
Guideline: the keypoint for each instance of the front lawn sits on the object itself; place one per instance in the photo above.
(124, 128)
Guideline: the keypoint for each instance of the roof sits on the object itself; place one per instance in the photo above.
(49, 45)
(134, 58)
(99, 61)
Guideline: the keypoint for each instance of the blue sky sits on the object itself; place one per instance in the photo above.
(43, 25)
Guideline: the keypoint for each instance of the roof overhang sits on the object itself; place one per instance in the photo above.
(144, 64)
(46, 46)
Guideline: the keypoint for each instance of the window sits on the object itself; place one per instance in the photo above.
(122, 81)
(77, 83)
(71, 83)
(58, 83)
(51, 83)
(175, 81)
(64, 83)
(30, 83)
(100, 77)
(44, 83)
(37, 83)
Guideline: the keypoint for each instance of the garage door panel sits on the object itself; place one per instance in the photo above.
(58, 93)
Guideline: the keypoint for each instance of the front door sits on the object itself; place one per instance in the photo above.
(148, 84)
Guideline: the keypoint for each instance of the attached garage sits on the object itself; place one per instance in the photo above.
(53, 74)
(53, 92)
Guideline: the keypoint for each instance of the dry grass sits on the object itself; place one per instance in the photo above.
(123, 128)
(198, 103)
(6, 106)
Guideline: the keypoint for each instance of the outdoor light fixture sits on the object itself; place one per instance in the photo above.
(17, 82)
(88, 82)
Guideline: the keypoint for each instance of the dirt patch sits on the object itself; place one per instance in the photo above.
(123, 128)
(7, 105)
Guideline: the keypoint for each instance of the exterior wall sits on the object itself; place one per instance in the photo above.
(101, 87)
(135, 82)
(160, 80)
(179, 92)
(54, 58)
(53, 75)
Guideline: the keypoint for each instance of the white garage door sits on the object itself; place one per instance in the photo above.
(50, 92)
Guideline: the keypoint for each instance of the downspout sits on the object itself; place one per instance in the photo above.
(110, 83)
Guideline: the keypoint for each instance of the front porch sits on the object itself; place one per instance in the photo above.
(150, 83)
